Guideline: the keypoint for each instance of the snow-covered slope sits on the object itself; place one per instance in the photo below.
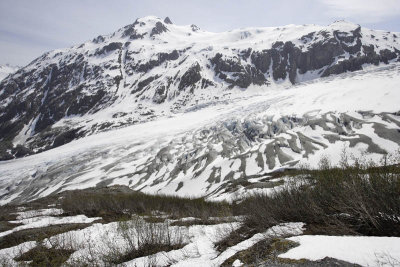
(205, 151)
(6, 70)
(154, 69)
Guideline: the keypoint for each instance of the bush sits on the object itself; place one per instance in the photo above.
(265, 253)
(142, 239)
(362, 198)
(113, 205)
(44, 256)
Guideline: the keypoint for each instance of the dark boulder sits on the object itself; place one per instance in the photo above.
(66, 137)
(22, 151)
(160, 94)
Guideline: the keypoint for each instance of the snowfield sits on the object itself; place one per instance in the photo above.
(41, 218)
(362, 250)
(93, 242)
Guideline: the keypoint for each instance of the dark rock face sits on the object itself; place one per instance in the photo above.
(261, 60)
(167, 20)
(57, 94)
(355, 63)
(109, 48)
(142, 84)
(241, 76)
(21, 151)
(287, 60)
(66, 137)
(160, 94)
(191, 77)
(158, 29)
(194, 28)
(7, 151)
(130, 30)
(161, 58)
(98, 39)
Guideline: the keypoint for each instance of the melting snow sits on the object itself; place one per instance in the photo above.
(363, 250)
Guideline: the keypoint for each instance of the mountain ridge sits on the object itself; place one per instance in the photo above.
(6, 70)
(153, 68)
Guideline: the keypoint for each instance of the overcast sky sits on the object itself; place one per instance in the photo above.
(29, 28)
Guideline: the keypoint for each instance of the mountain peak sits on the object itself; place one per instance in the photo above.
(145, 26)
(149, 19)
(344, 25)
(167, 20)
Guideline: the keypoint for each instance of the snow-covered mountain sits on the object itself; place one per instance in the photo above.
(153, 68)
(6, 70)
(227, 148)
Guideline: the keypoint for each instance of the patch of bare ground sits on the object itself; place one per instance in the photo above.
(41, 256)
(38, 234)
(235, 237)
(266, 253)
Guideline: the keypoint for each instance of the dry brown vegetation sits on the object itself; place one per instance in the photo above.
(114, 206)
(361, 199)
(38, 234)
(142, 239)
(266, 252)
(41, 256)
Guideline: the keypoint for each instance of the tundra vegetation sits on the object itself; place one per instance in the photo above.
(356, 197)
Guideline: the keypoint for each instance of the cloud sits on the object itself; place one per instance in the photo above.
(29, 28)
(366, 11)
